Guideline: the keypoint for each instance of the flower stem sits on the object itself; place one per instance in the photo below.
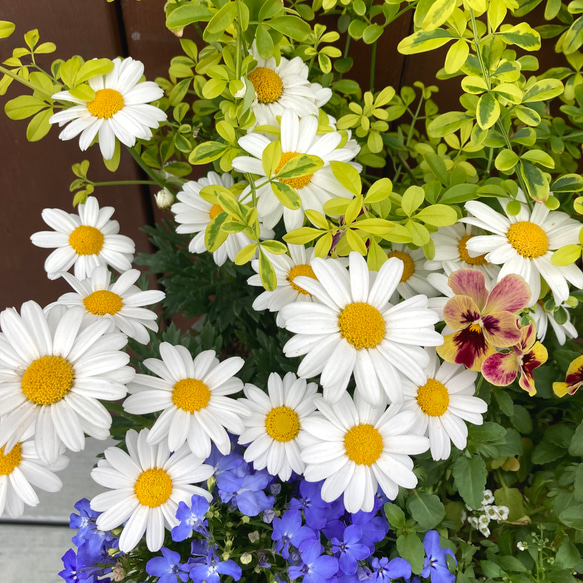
(24, 82)
(147, 170)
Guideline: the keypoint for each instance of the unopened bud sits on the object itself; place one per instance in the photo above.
(254, 536)
(245, 519)
(246, 558)
(164, 199)
(118, 572)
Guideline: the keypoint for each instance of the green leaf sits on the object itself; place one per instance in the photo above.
(512, 499)
(113, 163)
(488, 111)
(437, 215)
(91, 69)
(576, 445)
(419, 233)
(266, 272)
(459, 193)
(427, 510)
(187, 14)
(302, 235)
(347, 175)
(423, 41)
(292, 26)
(527, 115)
(437, 166)
(543, 90)
(379, 227)
(456, 57)
(214, 236)
(300, 165)
(222, 19)
(213, 88)
(523, 36)
(246, 254)
(355, 242)
(568, 555)
(269, 9)
(412, 199)
(546, 452)
(539, 157)
(286, 195)
(566, 255)
(264, 42)
(23, 107)
(506, 160)
(83, 92)
(470, 475)
(446, 124)
(411, 549)
(573, 517)
(6, 28)
(379, 191)
(372, 33)
(438, 13)
(346, 86)
(39, 126)
(395, 516)
(323, 246)
(574, 37)
(568, 183)
(271, 158)
(207, 152)
(536, 183)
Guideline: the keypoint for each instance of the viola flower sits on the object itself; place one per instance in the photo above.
(354, 329)
(414, 279)
(273, 429)
(523, 244)
(481, 320)
(435, 566)
(573, 380)
(119, 303)
(501, 368)
(120, 109)
(283, 87)
(84, 241)
(298, 136)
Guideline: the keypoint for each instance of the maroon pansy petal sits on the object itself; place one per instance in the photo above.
(467, 347)
(500, 369)
(501, 329)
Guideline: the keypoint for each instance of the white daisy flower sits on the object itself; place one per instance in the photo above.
(53, 375)
(192, 395)
(451, 253)
(542, 319)
(147, 485)
(20, 470)
(119, 303)
(283, 87)
(119, 109)
(194, 214)
(442, 404)
(353, 328)
(298, 136)
(414, 279)
(274, 428)
(84, 241)
(523, 244)
(355, 448)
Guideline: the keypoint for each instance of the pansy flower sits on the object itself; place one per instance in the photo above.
(481, 320)
(501, 369)
(573, 381)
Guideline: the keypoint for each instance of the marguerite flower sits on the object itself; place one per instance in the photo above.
(147, 485)
(283, 87)
(273, 429)
(194, 214)
(298, 136)
(119, 303)
(442, 405)
(542, 318)
(119, 109)
(451, 253)
(523, 244)
(414, 279)
(20, 470)
(355, 447)
(192, 395)
(353, 328)
(53, 374)
(84, 241)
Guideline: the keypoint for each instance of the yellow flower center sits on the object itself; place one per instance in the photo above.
(302, 269)
(465, 256)
(215, 210)
(476, 328)
(528, 239)
(433, 398)
(107, 102)
(103, 302)
(409, 268)
(267, 83)
(10, 460)
(47, 380)
(298, 182)
(153, 487)
(86, 240)
(363, 444)
(282, 423)
(191, 395)
(362, 325)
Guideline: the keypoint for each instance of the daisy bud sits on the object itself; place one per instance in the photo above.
(164, 199)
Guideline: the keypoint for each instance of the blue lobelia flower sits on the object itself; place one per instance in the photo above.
(316, 512)
(383, 570)
(73, 573)
(191, 518)
(212, 568)
(168, 567)
(247, 494)
(374, 528)
(289, 530)
(435, 565)
(350, 549)
(315, 567)
(88, 534)
(82, 567)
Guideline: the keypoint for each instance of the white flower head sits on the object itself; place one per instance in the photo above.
(488, 497)
(355, 448)
(542, 318)
(284, 87)
(147, 485)
(274, 428)
(298, 136)
(352, 328)
(120, 109)
(414, 279)
(484, 530)
(84, 241)
(54, 373)
(121, 302)
(192, 395)
(443, 403)
(523, 244)
(483, 520)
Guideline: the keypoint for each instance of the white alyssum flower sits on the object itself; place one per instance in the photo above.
(352, 328)
(84, 241)
(355, 448)
(121, 303)
(274, 428)
(120, 109)
(147, 484)
(192, 395)
(523, 244)
(442, 404)
(54, 371)
(298, 136)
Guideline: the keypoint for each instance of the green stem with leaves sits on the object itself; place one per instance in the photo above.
(26, 83)
(147, 170)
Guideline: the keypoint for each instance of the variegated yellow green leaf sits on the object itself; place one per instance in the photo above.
(214, 236)
(210, 193)
(447, 123)
(317, 219)
(300, 165)
(539, 157)
(456, 56)
(423, 40)
(302, 235)
(536, 183)
(286, 195)
(568, 183)
(543, 90)
(438, 13)
(246, 254)
(523, 36)
(266, 272)
(488, 111)
(573, 39)
(274, 247)
(509, 91)
(207, 152)
(527, 115)
(566, 255)
(271, 158)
